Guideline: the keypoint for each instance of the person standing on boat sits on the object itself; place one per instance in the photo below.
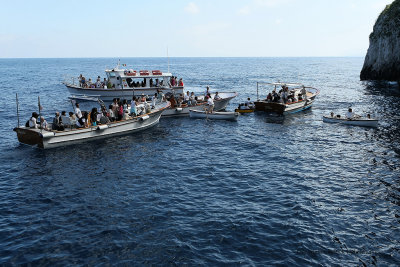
(207, 91)
(78, 112)
(304, 93)
(210, 104)
(349, 114)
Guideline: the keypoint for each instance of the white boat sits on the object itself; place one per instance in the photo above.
(219, 104)
(298, 97)
(125, 83)
(201, 114)
(357, 121)
(51, 138)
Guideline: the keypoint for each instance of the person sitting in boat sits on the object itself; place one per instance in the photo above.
(72, 118)
(110, 113)
(191, 99)
(57, 124)
(32, 122)
(154, 101)
(349, 114)
(82, 122)
(126, 115)
(172, 101)
(180, 83)
(143, 99)
(43, 124)
(300, 97)
(120, 111)
(186, 98)
(244, 106)
(269, 97)
(180, 100)
(133, 107)
(217, 97)
(368, 116)
(249, 103)
(103, 118)
(93, 116)
(210, 104)
(160, 95)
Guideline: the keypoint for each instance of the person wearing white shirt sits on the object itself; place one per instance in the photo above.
(186, 98)
(349, 114)
(210, 104)
(78, 112)
(43, 123)
(33, 121)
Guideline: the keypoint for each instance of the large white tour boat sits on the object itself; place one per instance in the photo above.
(123, 84)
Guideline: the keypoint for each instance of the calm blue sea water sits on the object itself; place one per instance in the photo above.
(266, 190)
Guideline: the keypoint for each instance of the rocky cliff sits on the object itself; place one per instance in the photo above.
(382, 61)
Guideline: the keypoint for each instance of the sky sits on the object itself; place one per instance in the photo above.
(206, 28)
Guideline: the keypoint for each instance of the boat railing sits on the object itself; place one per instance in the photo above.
(71, 80)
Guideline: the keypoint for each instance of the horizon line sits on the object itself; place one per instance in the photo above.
(184, 57)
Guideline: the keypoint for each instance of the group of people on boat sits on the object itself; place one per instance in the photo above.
(120, 110)
(287, 96)
(246, 105)
(106, 84)
(350, 115)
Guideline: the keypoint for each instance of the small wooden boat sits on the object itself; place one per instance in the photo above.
(297, 98)
(197, 114)
(357, 121)
(244, 110)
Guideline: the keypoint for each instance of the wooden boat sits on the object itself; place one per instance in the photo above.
(219, 105)
(52, 138)
(244, 110)
(357, 121)
(303, 98)
(198, 114)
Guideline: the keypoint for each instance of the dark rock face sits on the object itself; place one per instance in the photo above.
(382, 61)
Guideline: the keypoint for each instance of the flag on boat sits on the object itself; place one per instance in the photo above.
(124, 65)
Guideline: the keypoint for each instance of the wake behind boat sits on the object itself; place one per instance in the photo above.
(291, 98)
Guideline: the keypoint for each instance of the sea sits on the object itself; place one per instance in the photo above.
(267, 190)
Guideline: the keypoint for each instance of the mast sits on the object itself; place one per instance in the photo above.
(16, 96)
(168, 59)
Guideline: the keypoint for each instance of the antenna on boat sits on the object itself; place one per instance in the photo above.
(168, 59)
(16, 96)
(40, 114)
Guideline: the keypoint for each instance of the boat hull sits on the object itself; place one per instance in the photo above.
(244, 110)
(51, 139)
(364, 122)
(214, 116)
(220, 104)
(282, 108)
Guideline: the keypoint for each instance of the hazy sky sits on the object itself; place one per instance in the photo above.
(206, 28)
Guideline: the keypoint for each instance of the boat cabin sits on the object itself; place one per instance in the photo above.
(130, 79)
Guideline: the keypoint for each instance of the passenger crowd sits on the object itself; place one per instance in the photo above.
(119, 110)
(286, 96)
(105, 83)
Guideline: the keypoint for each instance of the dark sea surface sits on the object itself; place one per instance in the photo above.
(265, 190)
